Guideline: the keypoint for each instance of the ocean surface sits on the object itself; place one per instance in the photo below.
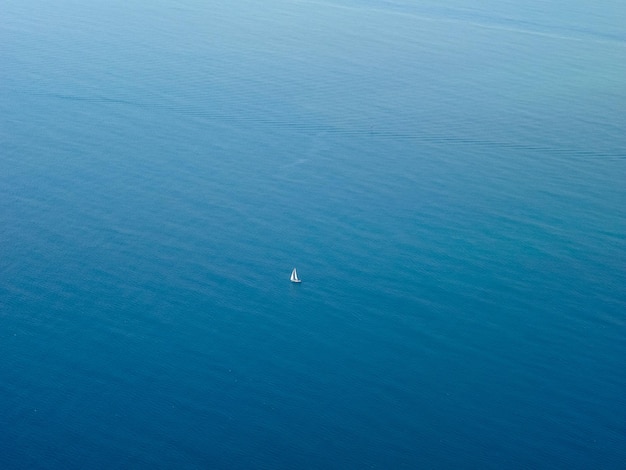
(449, 178)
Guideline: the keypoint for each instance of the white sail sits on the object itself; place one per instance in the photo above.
(294, 276)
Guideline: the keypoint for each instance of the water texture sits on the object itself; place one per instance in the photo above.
(448, 179)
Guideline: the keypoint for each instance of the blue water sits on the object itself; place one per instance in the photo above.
(449, 180)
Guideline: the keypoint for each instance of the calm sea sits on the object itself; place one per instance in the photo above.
(448, 178)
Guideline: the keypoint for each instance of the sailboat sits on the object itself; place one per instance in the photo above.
(294, 276)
